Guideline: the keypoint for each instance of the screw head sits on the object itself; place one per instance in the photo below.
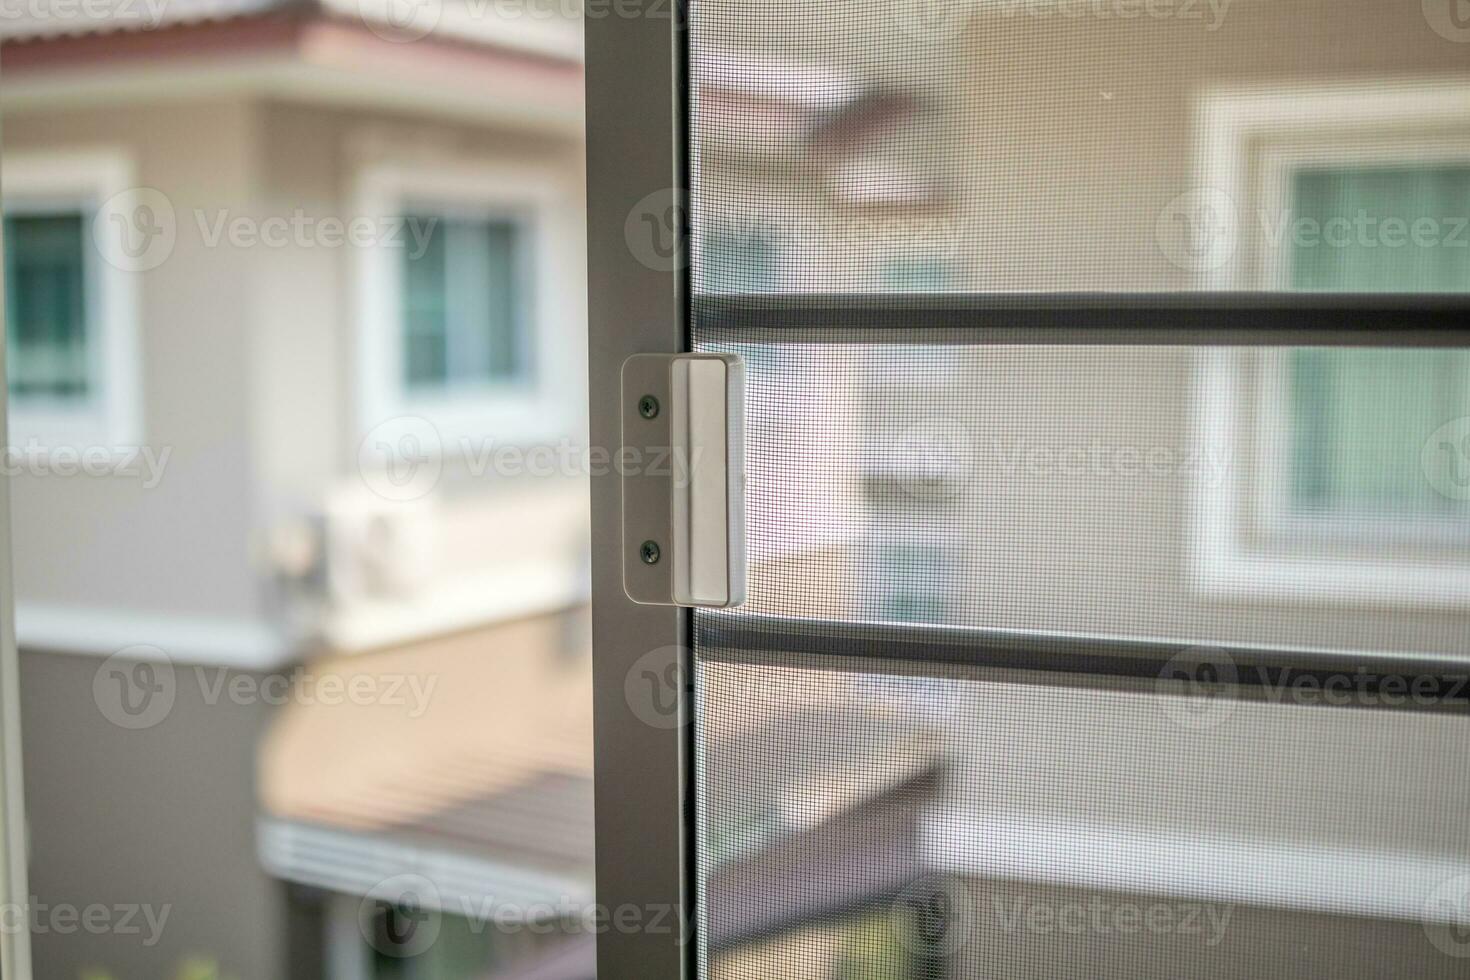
(648, 407)
(649, 552)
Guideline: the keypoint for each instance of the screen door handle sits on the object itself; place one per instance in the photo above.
(682, 462)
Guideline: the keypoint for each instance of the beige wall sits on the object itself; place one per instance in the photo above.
(180, 549)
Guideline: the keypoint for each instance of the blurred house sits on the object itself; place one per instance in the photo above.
(297, 371)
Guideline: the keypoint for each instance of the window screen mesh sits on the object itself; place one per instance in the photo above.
(1079, 145)
(871, 809)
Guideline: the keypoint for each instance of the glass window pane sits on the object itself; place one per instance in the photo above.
(465, 304)
(46, 306)
(1385, 229)
(736, 262)
(1359, 415)
(1360, 422)
(426, 313)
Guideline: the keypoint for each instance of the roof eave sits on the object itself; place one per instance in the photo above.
(295, 58)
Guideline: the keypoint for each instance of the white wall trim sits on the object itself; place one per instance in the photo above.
(1261, 873)
(85, 179)
(357, 863)
(238, 642)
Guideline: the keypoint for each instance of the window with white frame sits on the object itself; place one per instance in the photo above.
(70, 314)
(1343, 492)
(461, 319)
(466, 313)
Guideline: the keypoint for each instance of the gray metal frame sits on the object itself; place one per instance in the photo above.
(1126, 319)
(1075, 659)
(635, 154)
(15, 946)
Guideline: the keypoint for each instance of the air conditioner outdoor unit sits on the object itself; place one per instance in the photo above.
(378, 549)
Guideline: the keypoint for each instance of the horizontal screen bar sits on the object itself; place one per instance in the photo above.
(1328, 677)
(1179, 319)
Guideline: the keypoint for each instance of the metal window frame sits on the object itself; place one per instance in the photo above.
(636, 147)
(635, 78)
(1193, 319)
(15, 945)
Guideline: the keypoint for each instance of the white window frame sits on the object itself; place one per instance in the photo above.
(1253, 142)
(516, 414)
(111, 417)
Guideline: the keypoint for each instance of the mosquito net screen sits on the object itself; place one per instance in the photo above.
(1140, 657)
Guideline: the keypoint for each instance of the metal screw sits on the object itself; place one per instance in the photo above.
(649, 552)
(648, 408)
